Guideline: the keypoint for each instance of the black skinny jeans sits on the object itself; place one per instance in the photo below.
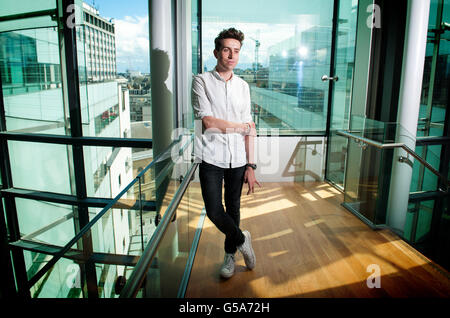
(227, 222)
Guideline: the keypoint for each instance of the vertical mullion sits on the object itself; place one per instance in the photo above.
(19, 272)
(176, 36)
(69, 65)
(331, 82)
(199, 29)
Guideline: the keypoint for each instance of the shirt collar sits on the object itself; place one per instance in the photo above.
(217, 75)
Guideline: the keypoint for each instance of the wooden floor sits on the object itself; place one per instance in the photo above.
(308, 245)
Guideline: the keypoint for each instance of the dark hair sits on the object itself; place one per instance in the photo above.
(230, 33)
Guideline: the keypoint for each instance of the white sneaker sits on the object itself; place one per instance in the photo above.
(227, 269)
(247, 251)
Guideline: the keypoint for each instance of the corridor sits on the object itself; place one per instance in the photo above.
(308, 245)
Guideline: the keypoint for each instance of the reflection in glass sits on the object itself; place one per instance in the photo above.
(342, 89)
(39, 166)
(45, 222)
(113, 104)
(418, 221)
(31, 81)
(64, 280)
(283, 58)
(110, 169)
(436, 75)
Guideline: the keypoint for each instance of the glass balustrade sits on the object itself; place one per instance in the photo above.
(101, 257)
(168, 271)
(375, 150)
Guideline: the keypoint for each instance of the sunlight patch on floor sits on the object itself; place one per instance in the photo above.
(315, 222)
(324, 194)
(274, 235)
(276, 254)
(266, 208)
(308, 196)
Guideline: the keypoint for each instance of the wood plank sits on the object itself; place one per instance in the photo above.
(308, 245)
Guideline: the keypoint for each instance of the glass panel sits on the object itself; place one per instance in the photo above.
(418, 221)
(45, 222)
(436, 76)
(127, 227)
(342, 89)
(337, 159)
(196, 63)
(369, 168)
(38, 166)
(166, 277)
(382, 132)
(422, 178)
(107, 275)
(81, 35)
(194, 27)
(28, 23)
(110, 169)
(195, 207)
(10, 7)
(443, 235)
(63, 280)
(119, 231)
(283, 58)
(103, 238)
(31, 81)
(114, 88)
(363, 179)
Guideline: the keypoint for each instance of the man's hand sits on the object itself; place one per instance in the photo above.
(249, 178)
(252, 131)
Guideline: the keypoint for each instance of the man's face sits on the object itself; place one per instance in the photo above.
(228, 56)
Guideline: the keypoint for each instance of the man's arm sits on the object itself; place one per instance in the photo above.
(250, 144)
(202, 109)
(249, 176)
(225, 126)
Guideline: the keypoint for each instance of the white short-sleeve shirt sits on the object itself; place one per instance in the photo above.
(228, 100)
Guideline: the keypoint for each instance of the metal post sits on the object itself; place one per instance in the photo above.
(19, 272)
(408, 110)
(331, 83)
(71, 91)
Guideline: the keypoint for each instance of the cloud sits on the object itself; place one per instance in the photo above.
(132, 44)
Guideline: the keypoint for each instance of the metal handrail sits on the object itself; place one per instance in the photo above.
(397, 145)
(137, 277)
(88, 226)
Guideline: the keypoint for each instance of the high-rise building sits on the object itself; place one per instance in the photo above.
(33, 102)
(97, 35)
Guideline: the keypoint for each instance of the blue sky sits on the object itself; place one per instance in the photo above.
(131, 22)
(118, 9)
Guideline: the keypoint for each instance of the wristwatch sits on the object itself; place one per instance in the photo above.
(251, 165)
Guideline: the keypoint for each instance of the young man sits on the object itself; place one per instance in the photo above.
(226, 147)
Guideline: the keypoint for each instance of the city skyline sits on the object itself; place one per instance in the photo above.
(132, 30)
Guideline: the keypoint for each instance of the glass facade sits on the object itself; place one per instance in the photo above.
(283, 58)
(31, 81)
(97, 204)
(342, 90)
(114, 103)
(427, 226)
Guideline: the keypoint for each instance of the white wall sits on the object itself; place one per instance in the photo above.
(289, 159)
